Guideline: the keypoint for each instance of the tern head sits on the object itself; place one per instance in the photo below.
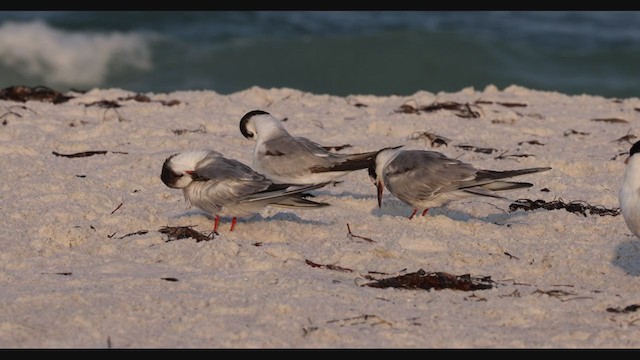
(634, 149)
(178, 169)
(382, 158)
(260, 123)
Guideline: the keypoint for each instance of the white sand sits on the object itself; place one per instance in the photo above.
(565, 269)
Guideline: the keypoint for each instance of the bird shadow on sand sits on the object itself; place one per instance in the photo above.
(496, 215)
(345, 194)
(281, 216)
(286, 216)
(627, 256)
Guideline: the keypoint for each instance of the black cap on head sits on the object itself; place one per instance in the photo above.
(168, 176)
(373, 165)
(243, 122)
(635, 148)
(372, 169)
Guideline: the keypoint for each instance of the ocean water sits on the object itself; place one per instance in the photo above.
(338, 53)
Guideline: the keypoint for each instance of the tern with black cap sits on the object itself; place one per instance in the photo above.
(227, 187)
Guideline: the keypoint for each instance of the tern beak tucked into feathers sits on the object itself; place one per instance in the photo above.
(629, 195)
(295, 160)
(227, 187)
(425, 179)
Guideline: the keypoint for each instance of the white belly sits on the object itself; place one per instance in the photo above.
(629, 197)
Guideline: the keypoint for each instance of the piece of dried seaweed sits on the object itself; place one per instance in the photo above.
(476, 149)
(145, 99)
(21, 93)
(510, 104)
(182, 232)
(504, 155)
(370, 319)
(510, 256)
(626, 138)
(576, 207)
(105, 104)
(434, 280)
(505, 104)
(350, 234)
(531, 142)
(81, 154)
(137, 97)
(612, 120)
(556, 293)
(66, 273)
(87, 153)
(141, 232)
(407, 109)
(625, 310)
(616, 156)
(328, 266)
(169, 102)
(574, 132)
(460, 110)
(10, 111)
(116, 209)
(434, 139)
(201, 129)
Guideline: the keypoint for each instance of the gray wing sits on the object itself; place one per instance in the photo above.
(420, 175)
(297, 156)
(219, 181)
(218, 168)
(292, 156)
(282, 191)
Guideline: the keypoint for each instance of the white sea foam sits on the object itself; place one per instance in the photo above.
(70, 58)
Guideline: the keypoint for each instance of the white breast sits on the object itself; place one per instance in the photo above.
(629, 195)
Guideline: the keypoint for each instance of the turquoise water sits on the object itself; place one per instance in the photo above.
(339, 53)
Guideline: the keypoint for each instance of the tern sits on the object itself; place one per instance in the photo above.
(227, 187)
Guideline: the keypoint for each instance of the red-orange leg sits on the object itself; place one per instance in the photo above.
(216, 221)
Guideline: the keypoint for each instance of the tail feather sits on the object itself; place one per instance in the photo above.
(483, 192)
(506, 185)
(352, 162)
(266, 195)
(298, 202)
(495, 175)
(490, 188)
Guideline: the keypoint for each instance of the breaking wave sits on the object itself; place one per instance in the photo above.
(35, 49)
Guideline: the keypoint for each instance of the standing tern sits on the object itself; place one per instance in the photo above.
(295, 160)
(425, 179)
(227, 187)
(629, 195)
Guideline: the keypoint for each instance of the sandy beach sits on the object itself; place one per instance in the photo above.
(84, 265)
